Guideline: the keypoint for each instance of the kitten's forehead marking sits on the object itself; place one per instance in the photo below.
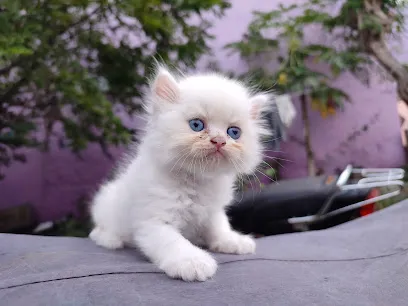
(217, 98)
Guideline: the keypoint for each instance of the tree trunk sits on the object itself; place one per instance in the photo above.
(380, 51)
(311, 166)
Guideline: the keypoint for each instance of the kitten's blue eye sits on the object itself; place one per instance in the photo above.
(234, 132)
(196, 125)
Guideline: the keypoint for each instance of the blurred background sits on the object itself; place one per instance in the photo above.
(72, 74)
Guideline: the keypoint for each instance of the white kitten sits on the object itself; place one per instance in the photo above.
(203, 131)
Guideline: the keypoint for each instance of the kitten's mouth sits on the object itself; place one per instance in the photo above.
(216, 153)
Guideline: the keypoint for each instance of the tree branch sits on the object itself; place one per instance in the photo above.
(374, 7)
(380, 51)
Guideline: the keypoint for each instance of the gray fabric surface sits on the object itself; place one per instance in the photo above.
(364, 262)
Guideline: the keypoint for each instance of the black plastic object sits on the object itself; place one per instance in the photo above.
(267, 212)
(277, 127)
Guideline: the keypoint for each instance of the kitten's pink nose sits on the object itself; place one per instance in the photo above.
(218, 141)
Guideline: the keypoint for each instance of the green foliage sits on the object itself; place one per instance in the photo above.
(70, 226)
(349, 31)
(266, 174)
(67, 67)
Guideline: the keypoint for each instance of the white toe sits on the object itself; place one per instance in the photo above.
(106, 239)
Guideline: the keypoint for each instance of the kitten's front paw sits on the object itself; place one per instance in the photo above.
(106, 239)
(234, 244)
(194, 267)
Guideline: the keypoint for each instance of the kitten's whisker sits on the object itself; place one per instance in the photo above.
(278, 158)
(190, 166)
(260, 184)
(249, 179)
(269, 166)
(257, 170)
(279, 164)
(193, 163)
(239, 176)
(272, 179)
(182, 151)
(180, 157)
(256, 177)
(252, 186)
(273, 151)
(271, 140)
(201, 165)
(182, 163)
(194, 167)
(179, 160)
(206, 162)
(264, 162)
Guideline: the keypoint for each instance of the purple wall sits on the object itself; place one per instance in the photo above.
(366, 134)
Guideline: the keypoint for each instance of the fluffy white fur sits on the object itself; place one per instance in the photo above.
(169, 199)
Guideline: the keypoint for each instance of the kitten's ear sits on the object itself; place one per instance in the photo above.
(259, 103)
(164, 86)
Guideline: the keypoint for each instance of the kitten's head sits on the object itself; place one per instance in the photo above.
(205, 123)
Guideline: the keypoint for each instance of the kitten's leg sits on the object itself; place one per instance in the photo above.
(221, 238)
(104, 238)
(104, 218)
(174, 254)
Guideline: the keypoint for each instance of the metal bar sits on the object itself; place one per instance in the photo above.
(380, 179)
(344, 176)
(317, 217)
(361, 204)
(372, 185)
(378, 171)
